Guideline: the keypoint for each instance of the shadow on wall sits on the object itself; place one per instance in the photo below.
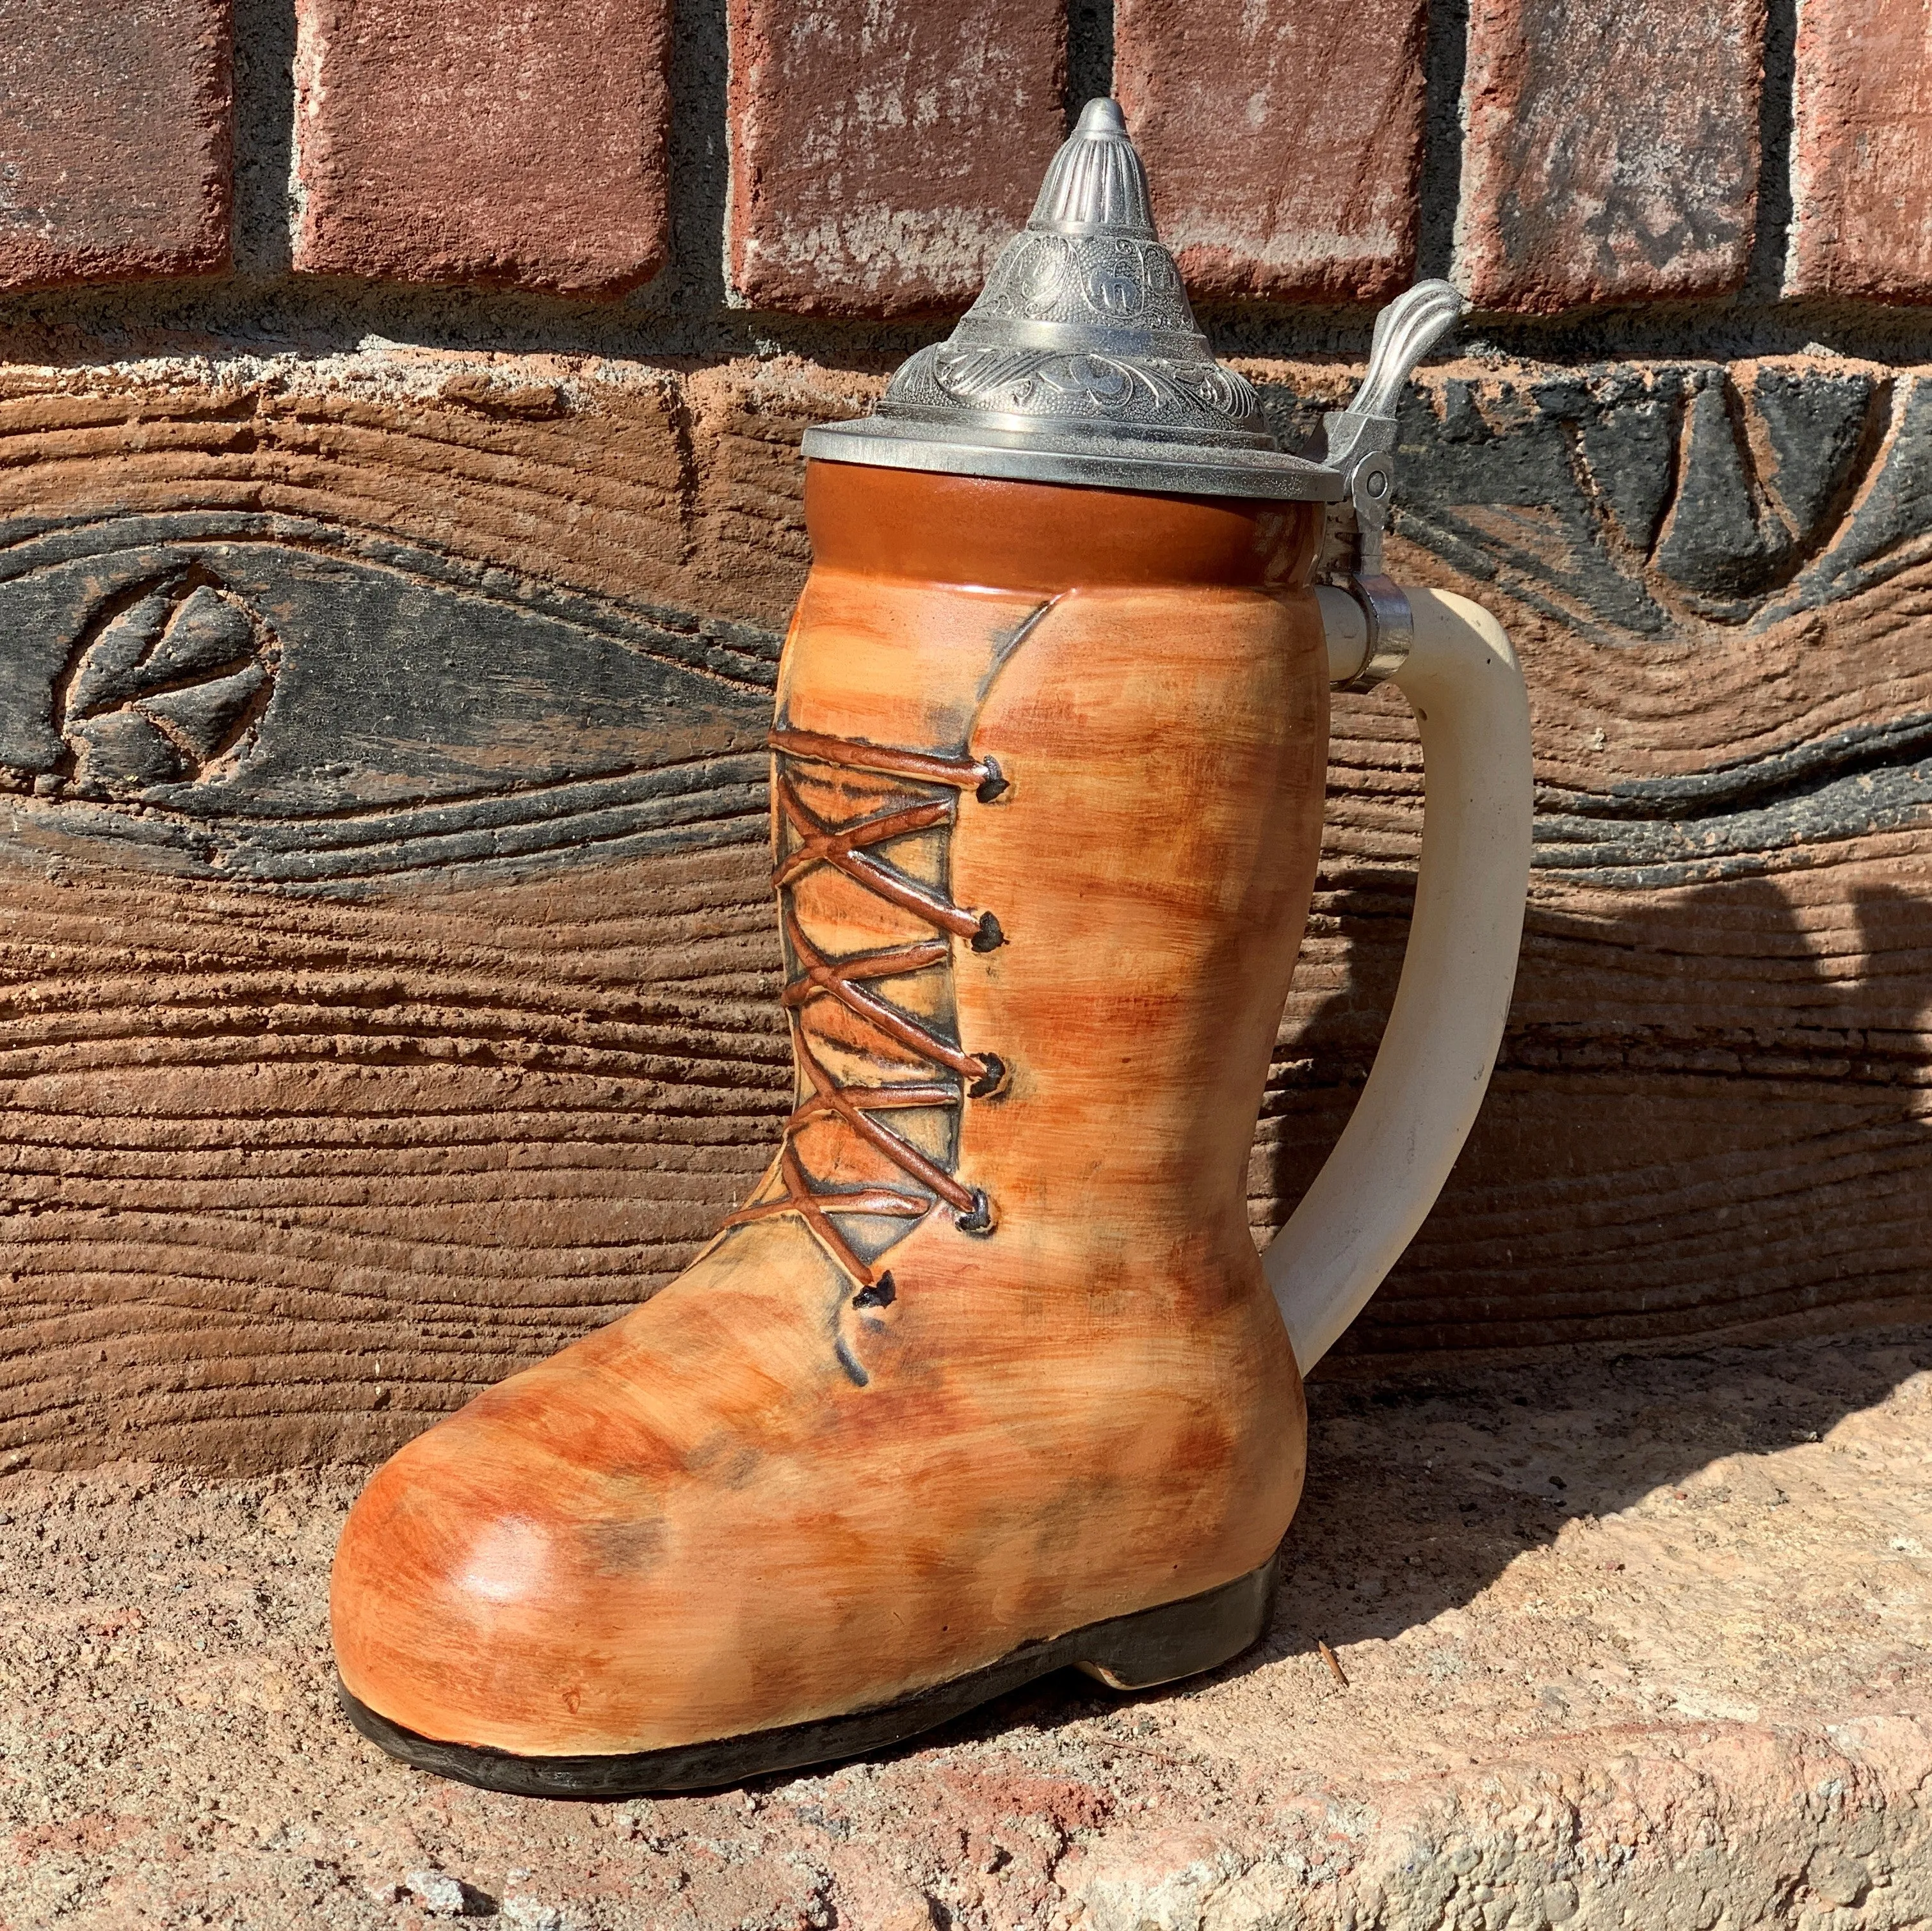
(1710, 1119)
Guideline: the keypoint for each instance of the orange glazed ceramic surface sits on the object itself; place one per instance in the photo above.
(988, 1356)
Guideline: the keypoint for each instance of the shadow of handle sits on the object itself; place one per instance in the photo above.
(1437, 1052)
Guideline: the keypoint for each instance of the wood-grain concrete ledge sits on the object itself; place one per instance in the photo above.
(393, 996)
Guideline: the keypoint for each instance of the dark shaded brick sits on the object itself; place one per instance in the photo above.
(487, 141)
(1862, 151)
(1283, 140)
(881, 156)
(1612, 153)
(114, 139)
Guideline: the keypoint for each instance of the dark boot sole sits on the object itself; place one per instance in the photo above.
(1137, 1652)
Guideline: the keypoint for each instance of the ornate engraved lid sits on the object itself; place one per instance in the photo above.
(1080, 361)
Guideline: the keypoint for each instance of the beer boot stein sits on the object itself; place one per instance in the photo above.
(986, 1377)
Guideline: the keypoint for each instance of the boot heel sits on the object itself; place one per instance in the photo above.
(1178, 1639)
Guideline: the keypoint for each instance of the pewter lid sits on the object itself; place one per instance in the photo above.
(1080, 361)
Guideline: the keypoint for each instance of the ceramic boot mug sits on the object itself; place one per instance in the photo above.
(986, 1377)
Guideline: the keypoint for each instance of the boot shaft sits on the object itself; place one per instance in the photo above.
(1047, 791)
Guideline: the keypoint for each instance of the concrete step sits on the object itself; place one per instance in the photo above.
(1628, 1642)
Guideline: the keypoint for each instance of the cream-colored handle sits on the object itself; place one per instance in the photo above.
(1428, 1078)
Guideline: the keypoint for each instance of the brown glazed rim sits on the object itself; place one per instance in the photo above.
(926, 527)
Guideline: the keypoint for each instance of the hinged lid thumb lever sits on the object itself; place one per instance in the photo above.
(1405, 331)
(1361, 449)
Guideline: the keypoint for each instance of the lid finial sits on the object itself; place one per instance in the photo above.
(1096, 183)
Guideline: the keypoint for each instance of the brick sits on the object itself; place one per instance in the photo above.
(1298, 182)
(115, 139)
(1609, 164)
(877, 169)
(489, 141)
(1862, 164)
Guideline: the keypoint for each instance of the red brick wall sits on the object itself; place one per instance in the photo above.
(1610, 153)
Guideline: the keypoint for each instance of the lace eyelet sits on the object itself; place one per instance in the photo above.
(882, 1293)
(977, 1219)
(992, 1081)
(988, 938)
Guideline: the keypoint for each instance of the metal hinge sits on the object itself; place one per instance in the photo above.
(1361, 443)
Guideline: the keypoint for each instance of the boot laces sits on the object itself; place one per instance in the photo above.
(807, 842)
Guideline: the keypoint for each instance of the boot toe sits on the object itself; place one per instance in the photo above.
(482, 1597)
(585, 1560)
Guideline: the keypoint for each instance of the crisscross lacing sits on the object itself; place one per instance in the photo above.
(850, 849)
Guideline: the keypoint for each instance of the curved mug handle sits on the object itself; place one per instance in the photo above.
(1463, 680)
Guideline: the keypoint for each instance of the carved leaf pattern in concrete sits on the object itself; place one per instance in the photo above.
(167, 683)
(1672, 502)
